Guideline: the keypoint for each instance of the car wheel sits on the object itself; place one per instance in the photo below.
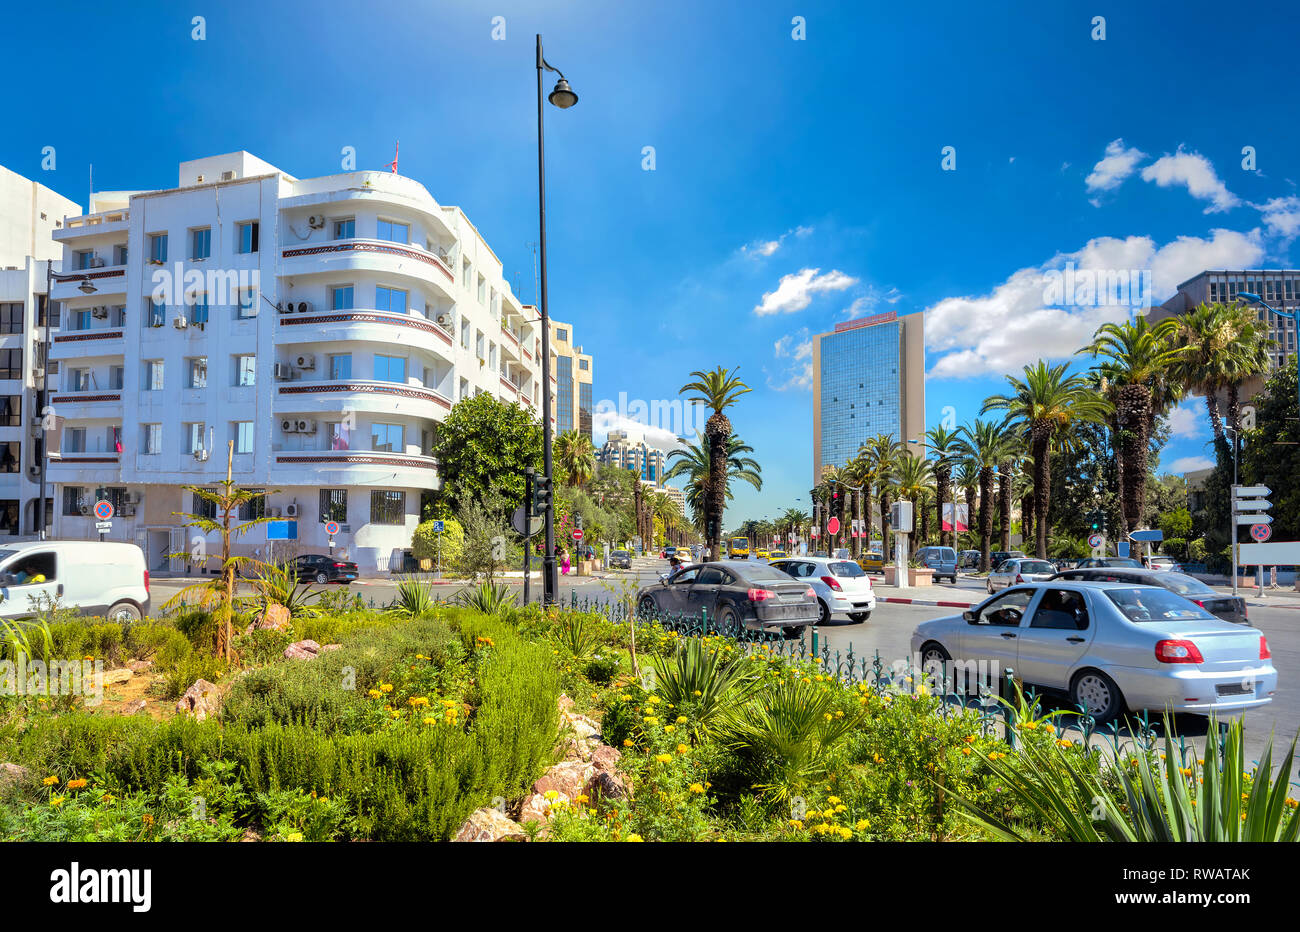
(793, 632)
(934, 662)
(824, 613)
(727, 622)
(647, 607)
(1097, 693)
(124, 613)
(322, 578)
(859, 617)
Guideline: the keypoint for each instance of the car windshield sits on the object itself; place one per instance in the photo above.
(1185, 585)
(619, 553)
(1037, 566)
(762, 572)
(1151, 604)
(1120, 561)
(846, 568)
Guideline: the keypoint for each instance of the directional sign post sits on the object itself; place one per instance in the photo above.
(1260, 532)
(1249, 502)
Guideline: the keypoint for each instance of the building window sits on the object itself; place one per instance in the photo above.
(247, 298)
(584, 364)
(393, 232)
(11, 317)
(334, 505)
(153, 375)
(345, 229)
(156, 312)
(74, 500)
(390, 368)
(41, 302)
(387, 507)
(387, 438)
(11, 363)
(78, 380)
(196, 372)
(245, 371)
(242, 433)
(390, 299)
(338, 434)
(204, 508)
(248, 236)
(255, 508)
(158, 247)
(85, 258)
(11, 410)
(74, 440)
(482, 290)
(199, 308)
(466, 274)
(562, 334)
(11, 456)
(201, 243)
(79, 320)
(152, 438)
(341, 366)
(341, 298)
(119, 254)
(193, 437)
(116, 377)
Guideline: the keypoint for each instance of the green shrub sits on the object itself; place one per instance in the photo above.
(425, 543)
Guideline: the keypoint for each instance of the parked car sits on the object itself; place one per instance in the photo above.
(668, 553)
(776, 555)
(1021, 570)
(1163, 564)
(737, 594)
(1108, 561)
(842, 553)
(841, 586)
(620, 560)
(319, 568)
(968, 560)
(1228, 607)
(1107, 646)
(873, 562)
(998, 557)
(761, 554)
(943, 560)
(105, 579)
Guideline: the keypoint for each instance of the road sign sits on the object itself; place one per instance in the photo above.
(577, 534)
(1253, 504)
(282, 530)
(1122, 548)
(1254, 519)
(1251, 491)
(1274, 553)
(1261, 532)
(1095, 540)
(1150, 536)
(530, 529)
(103, 510)
(103, 525)
(331, 528)
(833, 525)
(438, 527)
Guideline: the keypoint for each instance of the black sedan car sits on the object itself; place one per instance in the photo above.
(620, 560)
(1115, 562)
(1228, 607)
(735, 594)
(318, 568)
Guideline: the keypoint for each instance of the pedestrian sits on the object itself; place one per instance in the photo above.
(564, 561)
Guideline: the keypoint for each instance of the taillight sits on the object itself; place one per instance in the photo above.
(1200, 602)
(1177, 651)
(810, 592)
(1264, 652)
(341, 565)
(146, 582)
(760, 595)
(832, 582)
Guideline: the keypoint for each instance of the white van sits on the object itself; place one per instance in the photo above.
(101, 579)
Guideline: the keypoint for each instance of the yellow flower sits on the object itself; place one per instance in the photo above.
(50, 781)
(581, 798)
(57, 801)
(681, 720)
(682, 749)
(966, 751)
(627, 742)
(293, 836)
(417, 701)
(386, 687)
(551, 795)
(698, 693)
(635, 837)
(795, 823)
(1047, 727)
(862, 825)
(653, 700)
(663, 758)
(670, 728)
(696, 788)
(846, 833)
(374, 694)
(77, 784)
(430, 720)
(833, 800)
(107, 798)
(651, 720)
(146, 819)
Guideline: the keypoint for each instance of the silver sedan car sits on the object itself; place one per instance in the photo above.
(1018, 570)
(1107, 646)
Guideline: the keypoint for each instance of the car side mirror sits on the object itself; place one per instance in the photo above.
(663, 579)
(6, 580)
(968, 616)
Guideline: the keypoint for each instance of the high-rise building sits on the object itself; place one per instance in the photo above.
(571, 373)
(320, 329)
(868, 378)
(630, 451)
(29, 215)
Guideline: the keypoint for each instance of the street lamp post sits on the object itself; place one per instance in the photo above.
(564, 98)
(1232, 508)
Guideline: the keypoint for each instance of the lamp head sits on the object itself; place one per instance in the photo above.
(87, 288)
(563, 95)
(1248, 296)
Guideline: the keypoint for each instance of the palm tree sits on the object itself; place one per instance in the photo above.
(880, 453)
(1250, 357)
(793, 522)
(1022, 490)
(693, 461)
(1206, 334)
(718, 389)
(575, 457)
(986, 443)
(856, 473)
(911, 480)
(1044, 405)
(942, 444)
(1138, 371)
(967, 479)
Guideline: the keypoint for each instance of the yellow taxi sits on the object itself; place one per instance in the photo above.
(872, 562)
(763, 554)
(776, 555)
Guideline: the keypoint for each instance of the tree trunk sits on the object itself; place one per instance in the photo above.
(1133, 412)
(1004, 503)
(1041, 441)
(942, 478)
(986, 516)
(884, 523)
(717, 438)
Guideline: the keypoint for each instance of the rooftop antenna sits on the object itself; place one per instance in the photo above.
(397, 148)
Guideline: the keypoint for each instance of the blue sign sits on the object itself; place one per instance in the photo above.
(437, 527)
(1122, 547)
(1153, 537)
(282, 530)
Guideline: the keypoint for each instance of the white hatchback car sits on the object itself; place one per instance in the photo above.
(841, 586)
(1017, 571)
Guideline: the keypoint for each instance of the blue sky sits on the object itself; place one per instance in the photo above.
(796, 183)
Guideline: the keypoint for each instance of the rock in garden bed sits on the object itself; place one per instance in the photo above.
(200, 700)
(490, 825)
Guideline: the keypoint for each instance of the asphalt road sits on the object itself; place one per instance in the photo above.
(889, 632)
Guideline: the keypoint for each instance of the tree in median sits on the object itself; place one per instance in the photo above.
(483, 447)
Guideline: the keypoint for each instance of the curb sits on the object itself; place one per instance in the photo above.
(932, 602)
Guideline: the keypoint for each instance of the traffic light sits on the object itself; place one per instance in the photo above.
(541, 494)
(1096, 520)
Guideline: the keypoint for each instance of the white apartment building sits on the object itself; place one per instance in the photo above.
(29, 214)
(325, 326)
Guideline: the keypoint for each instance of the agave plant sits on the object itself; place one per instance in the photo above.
(277, 583)
(578, 635)
(414, 598)
(704, 683)
(25, 638)
(488, 598)
(1172, 800)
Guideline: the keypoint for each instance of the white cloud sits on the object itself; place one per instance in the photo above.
(1188, 464)
(1193, 171)
(1014, 325)
(1189, 419)
(1282, 216)
(661, 438)
(795, 291)
(766, 248)
(1117, 164)
(795, 351)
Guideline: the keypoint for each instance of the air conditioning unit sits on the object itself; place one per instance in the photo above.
(316, 221)
(273, 512)
(285, 307)
(99, 313)
(96, 262)
(132, 498)
(306, 426)
(306, 361)
(179, 322)
(83, 508)
(283, 371)
(304, 307)
(201, 455)
(289, 426)
(128, 511)
(291, 510)
(34, 470)
(444, 319)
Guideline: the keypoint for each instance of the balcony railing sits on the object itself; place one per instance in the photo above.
(358, 386)
(401, 250)
(368, 317)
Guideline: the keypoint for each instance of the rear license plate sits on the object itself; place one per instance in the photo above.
(1234, 689)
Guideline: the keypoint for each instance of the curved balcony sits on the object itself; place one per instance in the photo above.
(372, 188)
(355, 467)
(365, 326)
(79, 344)
(98, 403)
(372, 255)
(360, 395)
